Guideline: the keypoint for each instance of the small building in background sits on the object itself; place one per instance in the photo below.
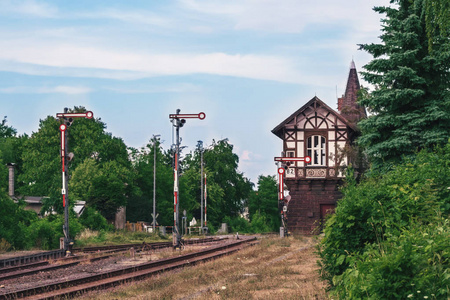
(318, 131)
(35, 203)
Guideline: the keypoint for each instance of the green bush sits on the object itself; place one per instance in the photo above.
(414, 264)
(93, 220)
(15, 223)
(382, 214)
(45, 233)
(237, 224)
(259, 223)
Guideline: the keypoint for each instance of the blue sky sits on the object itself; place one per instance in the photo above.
(248, 64)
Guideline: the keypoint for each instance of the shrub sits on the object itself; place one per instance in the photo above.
(14, 223)
(414, 264)
(385, 213)
(259, 223)
(46, 232)
(238, 224)
(92, 219)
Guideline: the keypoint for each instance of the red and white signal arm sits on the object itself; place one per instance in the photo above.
(200, 116)
(306, 159)
(87, 115)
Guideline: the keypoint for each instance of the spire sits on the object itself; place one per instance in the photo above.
(347, 105)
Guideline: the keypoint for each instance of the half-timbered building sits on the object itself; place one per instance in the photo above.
(318, 131)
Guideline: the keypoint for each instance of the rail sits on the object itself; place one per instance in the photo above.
(74, 287)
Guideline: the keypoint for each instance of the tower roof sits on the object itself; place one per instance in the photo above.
(348, 105)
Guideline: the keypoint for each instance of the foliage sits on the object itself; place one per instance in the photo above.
(237, 224)
(11, 148)
(45, 233)
(93, 220)
(14, 223)
(22, 229)
(94, 150)
(88, 238)
(410, 105)
(413, 264)
(140, 206)
(437, 17)
(385, 218)
(260, 223)
(222, 166)
(263, 203)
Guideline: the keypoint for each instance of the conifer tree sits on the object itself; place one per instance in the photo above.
(410, 105)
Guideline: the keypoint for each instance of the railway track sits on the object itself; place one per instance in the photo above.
(41, 267)
(15, 264)
(27, 259)
(73, 287)
(155, 245)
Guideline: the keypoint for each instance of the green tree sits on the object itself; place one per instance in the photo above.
(437, 17)
(104, 186)
(15, 223)
(411, 102)
(222, 165)
(92, 148)
(11, 148)
(140, 206)
(264, 202)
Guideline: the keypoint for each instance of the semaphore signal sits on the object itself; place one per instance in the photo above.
(66, 156)
(178, 120)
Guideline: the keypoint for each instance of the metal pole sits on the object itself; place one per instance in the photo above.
(154, 183)
(200, 147)
(179, 120)
(205, 200)
(176, 233)
(66, 119)
(66, 194)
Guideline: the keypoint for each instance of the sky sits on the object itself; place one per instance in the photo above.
(247, 64)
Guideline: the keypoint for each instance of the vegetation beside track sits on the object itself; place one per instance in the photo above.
(274, 269)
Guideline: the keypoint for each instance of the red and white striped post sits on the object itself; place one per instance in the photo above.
(178, 120)
(66, 120)
(280, 184)
(205, 202)
(281, 200)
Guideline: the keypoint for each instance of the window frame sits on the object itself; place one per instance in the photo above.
(316, 148)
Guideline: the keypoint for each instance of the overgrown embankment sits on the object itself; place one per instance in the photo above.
(389, 238)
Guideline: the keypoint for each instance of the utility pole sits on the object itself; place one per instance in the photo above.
(66, 120)
(154, 182)
(178, 120)
(200, 148)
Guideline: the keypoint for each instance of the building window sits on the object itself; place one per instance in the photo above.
(316, 150)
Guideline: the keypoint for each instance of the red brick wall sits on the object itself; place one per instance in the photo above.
(306, 197)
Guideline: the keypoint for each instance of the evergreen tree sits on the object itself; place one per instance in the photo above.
(411, 102)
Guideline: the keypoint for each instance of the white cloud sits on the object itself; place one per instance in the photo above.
(178, 88)
(28, 8)
(130, 16)
(61, 89)
(290, 16)
(263, 67)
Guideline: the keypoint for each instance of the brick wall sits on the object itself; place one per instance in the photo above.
(307, 196)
